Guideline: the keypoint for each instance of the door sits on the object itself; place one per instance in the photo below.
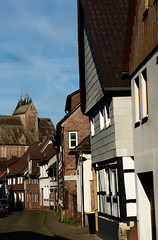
(146, 201)
(30, 200)
(41, 197)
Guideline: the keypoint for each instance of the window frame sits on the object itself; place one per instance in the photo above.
(140, 90)
(144, 94)
(137, 101)
(92, 126)
(107, 116)
(70, 139)
(101, 117)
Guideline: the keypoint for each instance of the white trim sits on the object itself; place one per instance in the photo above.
(70, 178)
(73, 140)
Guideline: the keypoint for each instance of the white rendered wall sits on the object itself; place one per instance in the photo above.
(130, 186)
(87, 177)
(144, 213)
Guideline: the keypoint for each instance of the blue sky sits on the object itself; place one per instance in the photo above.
(39, 54)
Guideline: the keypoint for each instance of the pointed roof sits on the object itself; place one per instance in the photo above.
(46, 127)
(22, 106)
(41, 150)
(72, 101)
(105, 23)
(83, 146)
(22, 164)
(11, 131)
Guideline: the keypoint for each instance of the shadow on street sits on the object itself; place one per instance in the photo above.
(28, 235)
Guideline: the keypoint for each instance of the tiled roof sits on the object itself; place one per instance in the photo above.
(46, 127)
(48, 153)
(22, 107)
(72, 101)
(2, 177)
(84, 147)
(106, 22)
(5, 163)
(38, 151)
(11, 131)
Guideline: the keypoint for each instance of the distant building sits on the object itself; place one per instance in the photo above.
(23, 128)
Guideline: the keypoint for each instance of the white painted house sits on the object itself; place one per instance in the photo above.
(85, 192)
(141, 65)
(44, 181)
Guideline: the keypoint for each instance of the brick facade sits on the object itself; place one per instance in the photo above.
(73, 122)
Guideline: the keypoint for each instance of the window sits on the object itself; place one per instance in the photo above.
(137, 99)
(22, 197)
(113, 183)
(107, 191)
(144, 96)
(20, 180)
(30, 166)
(27, 197)
(107, 116)
(13, 181)
(146, 4)
(146, 7)
(73, 139)
(141, 98)
(101, 116)
(92, 127)
(9, 181)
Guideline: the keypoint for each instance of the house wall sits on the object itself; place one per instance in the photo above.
(80, 123)
(32, 188)
(16, 192)
(116, 140)
(44, 185)
(122, 107)
(7, 151)
(87, 178)
(146, 144)
(144, 39)
(30, 118)
(94, 91)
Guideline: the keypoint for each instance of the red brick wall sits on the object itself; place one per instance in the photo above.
(80, 123)
(75, 100)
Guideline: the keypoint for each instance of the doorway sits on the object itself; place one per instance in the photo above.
(146, 202)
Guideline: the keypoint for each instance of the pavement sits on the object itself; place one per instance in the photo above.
(66, 231)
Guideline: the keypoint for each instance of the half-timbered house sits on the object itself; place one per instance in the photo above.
(106, 99)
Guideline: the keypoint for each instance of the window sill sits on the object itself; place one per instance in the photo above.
(137, 124)
(141, 122)
(145, 13)
(144, 119)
